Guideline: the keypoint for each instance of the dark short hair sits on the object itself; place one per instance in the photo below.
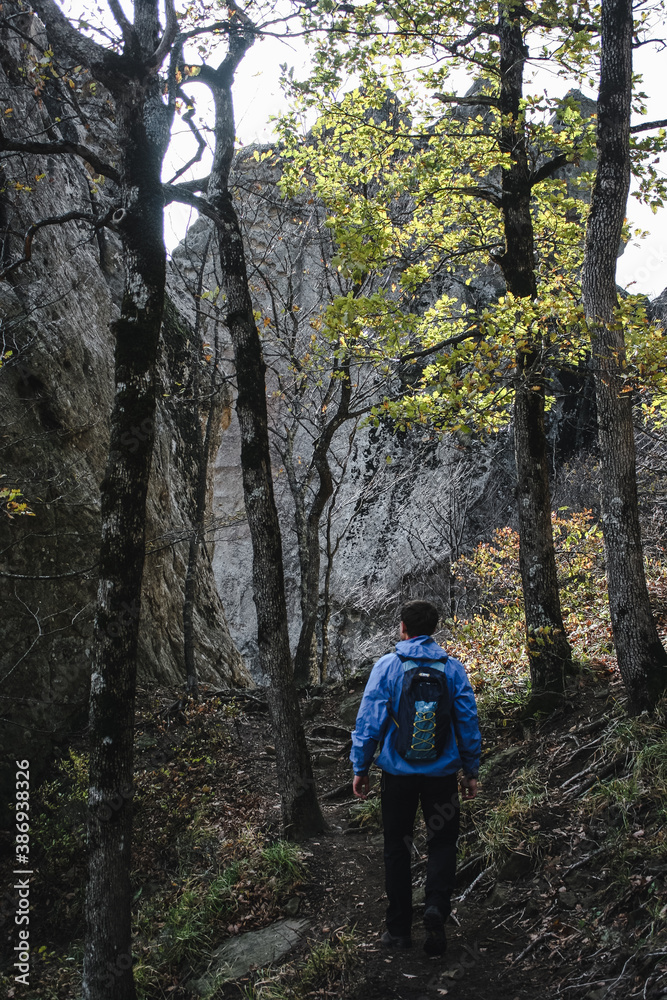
(420, 617)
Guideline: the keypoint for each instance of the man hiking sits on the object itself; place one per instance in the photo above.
(419, 705)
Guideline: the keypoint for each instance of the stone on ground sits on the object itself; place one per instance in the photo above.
(237, 956)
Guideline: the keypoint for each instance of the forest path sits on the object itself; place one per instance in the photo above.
(350, 869)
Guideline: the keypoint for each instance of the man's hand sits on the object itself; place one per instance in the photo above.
(361, 785)
(468, 787)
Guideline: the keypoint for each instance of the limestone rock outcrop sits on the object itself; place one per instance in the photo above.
(404, 504)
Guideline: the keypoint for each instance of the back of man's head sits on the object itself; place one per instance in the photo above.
(419, 617)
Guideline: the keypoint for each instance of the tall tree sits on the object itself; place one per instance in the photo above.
(143, 127)
(641, 656)
(313, 385)
(537, 556)
(300, 808)
(131, 75)
(320, 392)
(130, 70)
(210, 397)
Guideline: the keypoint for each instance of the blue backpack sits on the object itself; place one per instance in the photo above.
(424, 721)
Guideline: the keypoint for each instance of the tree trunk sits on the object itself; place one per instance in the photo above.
(548, 649)
(309, 569)
(305, 656)
(309, 558)
(300, 808)
(309, 552)
(142, 124)
(326, 604)
(301, 812)
(331, 549)
(108, 952)
(189, 595)
(202, 458)
(641, 657)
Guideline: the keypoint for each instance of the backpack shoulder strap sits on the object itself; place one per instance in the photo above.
(408, 664)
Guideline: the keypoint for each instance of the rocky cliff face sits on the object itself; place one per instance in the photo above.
(404, 505)
(56, 386)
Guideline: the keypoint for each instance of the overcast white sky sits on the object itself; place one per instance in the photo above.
(257, 96)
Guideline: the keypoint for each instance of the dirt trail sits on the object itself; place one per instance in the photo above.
(476, 959)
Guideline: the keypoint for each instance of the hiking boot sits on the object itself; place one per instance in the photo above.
(395, 940)
(434, 923)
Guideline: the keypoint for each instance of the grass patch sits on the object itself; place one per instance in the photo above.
(328, 960)
(633, 806)
(191, 922)
(58, 824)
(282, 865)
(367, 814)
(270, 984)
(491, 582)
(199, 913)
(507, 827)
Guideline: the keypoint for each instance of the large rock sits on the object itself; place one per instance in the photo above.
(657, 309)
(253, 950)
(349, 709)
(408, 503)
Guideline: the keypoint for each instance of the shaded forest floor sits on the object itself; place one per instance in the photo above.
(562, 870)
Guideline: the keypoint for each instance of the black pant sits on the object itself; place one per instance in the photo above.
(440, 805)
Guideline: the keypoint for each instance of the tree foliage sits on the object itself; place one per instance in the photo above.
(490, 636)
(440, 186)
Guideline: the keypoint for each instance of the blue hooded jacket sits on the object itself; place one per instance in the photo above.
(381, 699)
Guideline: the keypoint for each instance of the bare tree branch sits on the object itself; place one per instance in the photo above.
(129, 36)
(184, 194)
(479, 31)
(239, 41)
(196, 158)
(54, 220)
(441, 345)
(548, 169)
(469, 102)
(170, 33)
(484, 194)
(51, 148)
(48, 576)
(662, 123)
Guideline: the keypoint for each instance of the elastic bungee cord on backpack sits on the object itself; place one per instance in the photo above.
(423, 732)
